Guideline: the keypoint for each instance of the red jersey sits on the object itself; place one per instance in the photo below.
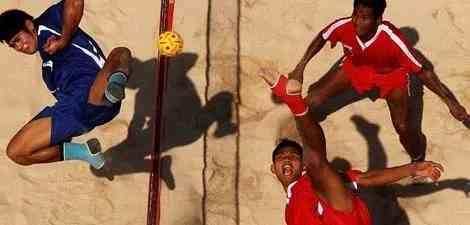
(304, 207)
(385, 52)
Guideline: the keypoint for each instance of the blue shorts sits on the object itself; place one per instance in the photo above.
(71, 119)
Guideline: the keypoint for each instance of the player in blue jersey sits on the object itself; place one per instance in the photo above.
(87, 86)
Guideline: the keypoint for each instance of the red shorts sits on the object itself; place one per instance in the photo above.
(364, 78)
(358, 216)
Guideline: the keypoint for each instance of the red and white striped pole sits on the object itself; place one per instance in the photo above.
(161, 70)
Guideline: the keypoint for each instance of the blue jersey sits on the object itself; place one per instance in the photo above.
(71, 71)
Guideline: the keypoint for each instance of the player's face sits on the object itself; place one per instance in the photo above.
(24, 41)
(287, 166)
(365, 22)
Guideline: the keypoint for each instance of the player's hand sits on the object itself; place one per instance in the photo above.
(427, 169)
(459, 112)
(54, 44)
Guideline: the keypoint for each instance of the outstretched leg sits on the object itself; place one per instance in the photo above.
(111, 79)
(325, 180)
(33, 145)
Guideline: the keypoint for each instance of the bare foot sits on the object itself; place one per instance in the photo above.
(269, 75)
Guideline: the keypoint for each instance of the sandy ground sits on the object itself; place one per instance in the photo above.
(213, 173)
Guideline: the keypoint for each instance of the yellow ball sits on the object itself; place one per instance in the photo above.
(170, 43)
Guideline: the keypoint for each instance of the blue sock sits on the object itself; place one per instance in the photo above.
(76, 151)
(115, 90)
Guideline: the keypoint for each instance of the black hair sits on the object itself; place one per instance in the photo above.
(11, 22)
(287, 143)
(377, 5)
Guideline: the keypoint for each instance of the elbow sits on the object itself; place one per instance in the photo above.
(425, 74)
(427, 71)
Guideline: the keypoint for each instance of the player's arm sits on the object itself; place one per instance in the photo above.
(432, 81)
(326, 181)
(315, 46)
(412, 59)
(391, 175)
(71, 17)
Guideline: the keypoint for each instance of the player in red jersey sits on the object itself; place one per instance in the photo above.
(317, 195)
(376, 56)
